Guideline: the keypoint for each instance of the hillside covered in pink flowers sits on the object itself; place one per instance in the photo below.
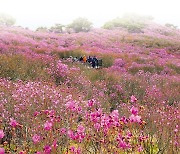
(52, 105)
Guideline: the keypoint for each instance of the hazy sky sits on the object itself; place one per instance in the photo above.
(35, 13)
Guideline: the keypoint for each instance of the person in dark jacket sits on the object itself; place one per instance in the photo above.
(89, 60)
(94, 62)
(81, 59)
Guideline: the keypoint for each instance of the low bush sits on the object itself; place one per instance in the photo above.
(151, 69)
(73, 53)
(20, 67)
(107, 60)
(174, 67)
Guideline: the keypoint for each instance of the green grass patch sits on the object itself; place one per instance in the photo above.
(174, 67)
(151, 69)
(73, 53)
(20, 67)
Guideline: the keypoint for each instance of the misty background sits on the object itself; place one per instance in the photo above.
(36, 13)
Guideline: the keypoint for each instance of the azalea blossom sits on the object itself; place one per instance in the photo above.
(134, 110)
(1, 134)
(48, 125)
(2, 151)
(133, 99)
(13, 122)
(135, 118)
(47, 149)
(36, 139)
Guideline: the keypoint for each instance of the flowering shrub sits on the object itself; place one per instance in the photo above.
(1, 134)
(58, 71)
(51, 105)
(92, 126)
(22, 67)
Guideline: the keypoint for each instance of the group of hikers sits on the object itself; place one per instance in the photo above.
(93, 61)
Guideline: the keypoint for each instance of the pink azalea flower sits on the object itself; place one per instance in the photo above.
(135, 118)
(134, 110)
(115, 115)
(73, 149)
(22, 152)
(47, 149)
(123, 145)
(80, 129)
(90, 103)
(54, 145)
(138, 118)
(176, 130)
(63, 131)
(1, 134)
(97, 126)
(36, 113)
(36, 139)
(13, 122)
(133, 99)
(140, 149)
(2, 151)
(71, 105)
(78, 151)
(70, 134)
(48, 125)
(176, 143)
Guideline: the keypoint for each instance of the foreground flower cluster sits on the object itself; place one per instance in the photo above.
(39, 118)
(65, 124)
